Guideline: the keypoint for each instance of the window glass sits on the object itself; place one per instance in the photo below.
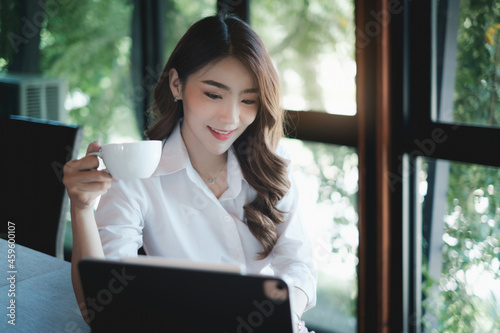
(312, 43)
(179, 15)
(327, 176)
(460, 246)
(88, 44)
(468, 61)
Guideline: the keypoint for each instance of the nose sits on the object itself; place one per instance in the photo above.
(230, 113)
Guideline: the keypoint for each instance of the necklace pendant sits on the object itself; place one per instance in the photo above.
(211, 181)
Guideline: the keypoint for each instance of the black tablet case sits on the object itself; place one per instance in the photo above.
(129, 297)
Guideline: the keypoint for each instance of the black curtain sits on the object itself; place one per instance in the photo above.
(23, 35)
(147, 55)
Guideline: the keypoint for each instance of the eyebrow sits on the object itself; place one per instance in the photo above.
(224, 87)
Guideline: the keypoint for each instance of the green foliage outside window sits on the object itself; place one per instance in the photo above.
(469, 286)
(308, 41)
(468, 298)
(477, 84)
(88, 42)
(312, 43)
(327, 176)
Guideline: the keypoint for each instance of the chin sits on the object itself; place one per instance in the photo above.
(221, 150)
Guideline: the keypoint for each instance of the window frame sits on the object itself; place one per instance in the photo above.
(396, 104)
(455, 142)
(379, 285)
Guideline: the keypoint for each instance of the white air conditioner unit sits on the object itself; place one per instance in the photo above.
(33, 96)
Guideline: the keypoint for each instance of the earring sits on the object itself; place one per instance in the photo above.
(176, 99)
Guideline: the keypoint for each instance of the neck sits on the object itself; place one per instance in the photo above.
(204, 162)
(208, 166)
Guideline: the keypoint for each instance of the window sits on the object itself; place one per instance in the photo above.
(460, 246)
(450, 190)
(89, 44)
(469, 39)
(327, 176)
(179, 15)
(312, 44)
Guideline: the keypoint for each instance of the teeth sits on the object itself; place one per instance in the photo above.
(221, 132)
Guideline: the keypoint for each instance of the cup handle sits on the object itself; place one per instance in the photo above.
(97, 153)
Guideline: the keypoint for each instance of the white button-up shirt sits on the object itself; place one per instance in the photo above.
(175, 215)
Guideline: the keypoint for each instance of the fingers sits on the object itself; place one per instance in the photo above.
(88, 182)
(93, 147)
(88, 176)
(84, 187)
(84, 183)
(88, 162)
(86, 192)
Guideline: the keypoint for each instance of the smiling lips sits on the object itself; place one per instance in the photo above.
(220, 134)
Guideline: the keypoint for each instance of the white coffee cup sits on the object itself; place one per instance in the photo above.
(131, 160)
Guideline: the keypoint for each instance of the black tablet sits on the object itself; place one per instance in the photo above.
(157, 295)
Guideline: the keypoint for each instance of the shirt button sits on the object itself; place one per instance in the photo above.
(227, 218)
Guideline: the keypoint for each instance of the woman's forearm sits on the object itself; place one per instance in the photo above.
(86, 244)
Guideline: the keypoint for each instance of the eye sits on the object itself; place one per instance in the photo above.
(249, 101)
(213, 96)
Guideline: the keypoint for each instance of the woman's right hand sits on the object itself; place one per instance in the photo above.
(83, 181)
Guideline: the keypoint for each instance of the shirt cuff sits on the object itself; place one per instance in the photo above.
(300, 276)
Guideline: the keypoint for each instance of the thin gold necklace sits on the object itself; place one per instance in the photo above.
(211, 181)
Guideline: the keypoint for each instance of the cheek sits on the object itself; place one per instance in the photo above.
(194, 105)
(248, 116)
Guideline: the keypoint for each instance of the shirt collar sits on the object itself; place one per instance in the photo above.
(174, 156)
(234, 177)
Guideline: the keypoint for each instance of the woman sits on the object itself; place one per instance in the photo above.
(222, 191)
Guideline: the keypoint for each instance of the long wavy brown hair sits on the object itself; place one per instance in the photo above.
(207, 41)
